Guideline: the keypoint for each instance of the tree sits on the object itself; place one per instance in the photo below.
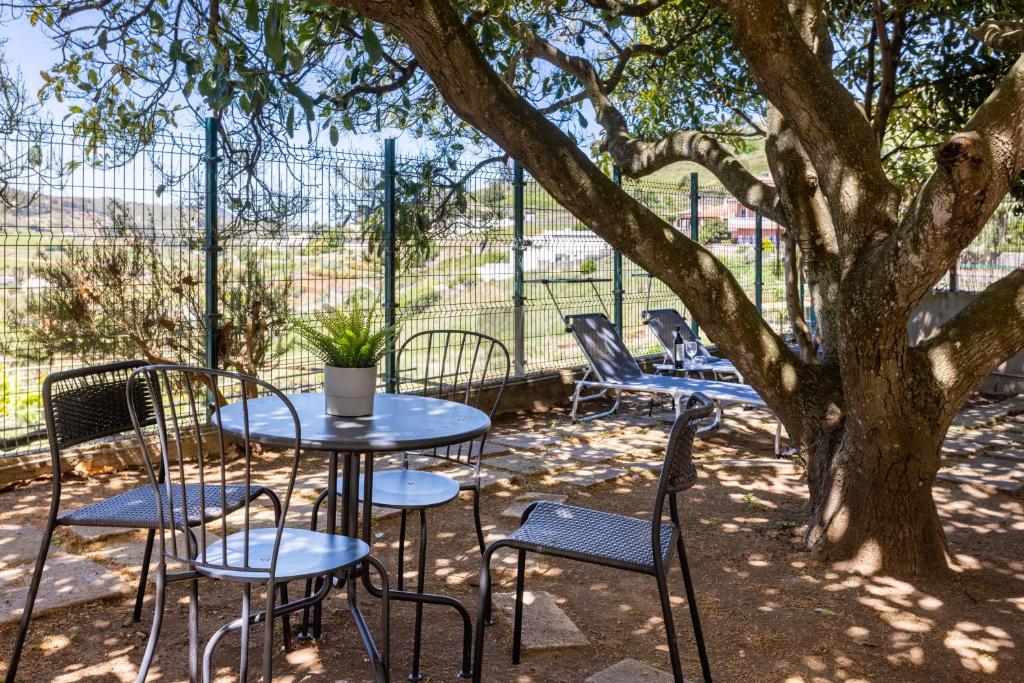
(133, 290)
(844, 95)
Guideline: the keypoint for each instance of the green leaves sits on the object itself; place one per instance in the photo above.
(372, 45)
(344, 339)
(273, 35)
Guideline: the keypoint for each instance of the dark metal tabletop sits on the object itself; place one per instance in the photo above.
(399, 422)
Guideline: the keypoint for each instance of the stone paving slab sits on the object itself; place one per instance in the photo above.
(585, 477)
(516, 509)
(68, 580)
(588, 431)
(19, 544)
(545, 625)
(1014, 455)
(529, 463)
(981, 415)
(990, 467)
(986, 484)
(93, 534)
(749, 463)
(631, 671)
(527, 440)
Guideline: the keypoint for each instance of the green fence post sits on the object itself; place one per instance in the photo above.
(390, 304)
(617, 290)
(518, 245)
(694, 224)
(758, 265)
(953, 284)
(210, 244)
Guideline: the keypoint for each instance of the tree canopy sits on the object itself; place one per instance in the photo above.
(893, 130)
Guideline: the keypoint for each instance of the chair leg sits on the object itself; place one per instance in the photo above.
(243, 664)
(268, 635)
(193, 631)
(517, 627)
(476, 518)
(30, 601)
(670, 629)
(158, 618)
(140, 592)
(483, 612)
(385, 618)
(691, 600)
(286, 622)
(401, 549)
(417, 641)
(310, 588)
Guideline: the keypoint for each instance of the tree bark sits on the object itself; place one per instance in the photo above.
(871, 418)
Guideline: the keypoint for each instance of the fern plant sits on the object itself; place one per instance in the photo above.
(345, 339)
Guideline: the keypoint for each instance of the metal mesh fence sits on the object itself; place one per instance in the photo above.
(106, 254)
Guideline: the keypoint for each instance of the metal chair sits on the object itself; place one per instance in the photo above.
(467, 367)
(84, 405)
(611, 540)
(196, 477)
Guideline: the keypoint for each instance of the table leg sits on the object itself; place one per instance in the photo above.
(332, 516)
(350, 522)
(420, 598)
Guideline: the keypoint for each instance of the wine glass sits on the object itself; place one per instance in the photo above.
(690, 348)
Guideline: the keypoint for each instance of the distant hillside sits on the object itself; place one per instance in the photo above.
(60, 214)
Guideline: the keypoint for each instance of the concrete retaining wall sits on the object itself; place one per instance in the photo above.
(937, 308)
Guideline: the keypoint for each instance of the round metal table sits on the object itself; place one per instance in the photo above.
(399, 422)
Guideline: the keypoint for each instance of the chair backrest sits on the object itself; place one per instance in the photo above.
(663, 322)
(608, 356)
(678, 473)
(201, 484)
(90, 403)
(455, 365)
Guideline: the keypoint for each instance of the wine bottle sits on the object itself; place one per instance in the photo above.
(678, 348)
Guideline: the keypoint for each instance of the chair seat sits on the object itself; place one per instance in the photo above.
(303, 553)
(409, 489)
(592, 536)
(136, 509)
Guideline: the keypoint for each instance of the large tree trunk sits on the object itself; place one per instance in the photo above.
(872, 507)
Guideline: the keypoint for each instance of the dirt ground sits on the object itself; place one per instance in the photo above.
(770, 612)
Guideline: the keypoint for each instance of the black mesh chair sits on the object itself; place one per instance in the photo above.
(611, 540)
(197, 476)
(85, 405)
(453, 365)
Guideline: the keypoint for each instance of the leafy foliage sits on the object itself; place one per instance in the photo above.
(133, 290)
(345, 339)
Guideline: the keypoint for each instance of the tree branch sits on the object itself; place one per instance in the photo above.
(449, 54)
(971, 344)
(1001, 36)
(830, 125)
(636, 157)
(625, 9)
(975, 170)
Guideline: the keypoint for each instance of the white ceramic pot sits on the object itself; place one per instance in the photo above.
(348, 392)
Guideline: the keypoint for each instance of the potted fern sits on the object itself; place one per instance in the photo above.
(350, 348)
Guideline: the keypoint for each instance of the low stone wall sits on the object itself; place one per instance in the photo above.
(937, 308)
(112, 455)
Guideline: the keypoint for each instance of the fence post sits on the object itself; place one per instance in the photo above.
(617, 290)
(694, 224)
(390, 304)
(954, 285)
(758, 263)
(518, 245)
(210, 245)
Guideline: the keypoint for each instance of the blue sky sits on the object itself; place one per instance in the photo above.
(28, 49)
